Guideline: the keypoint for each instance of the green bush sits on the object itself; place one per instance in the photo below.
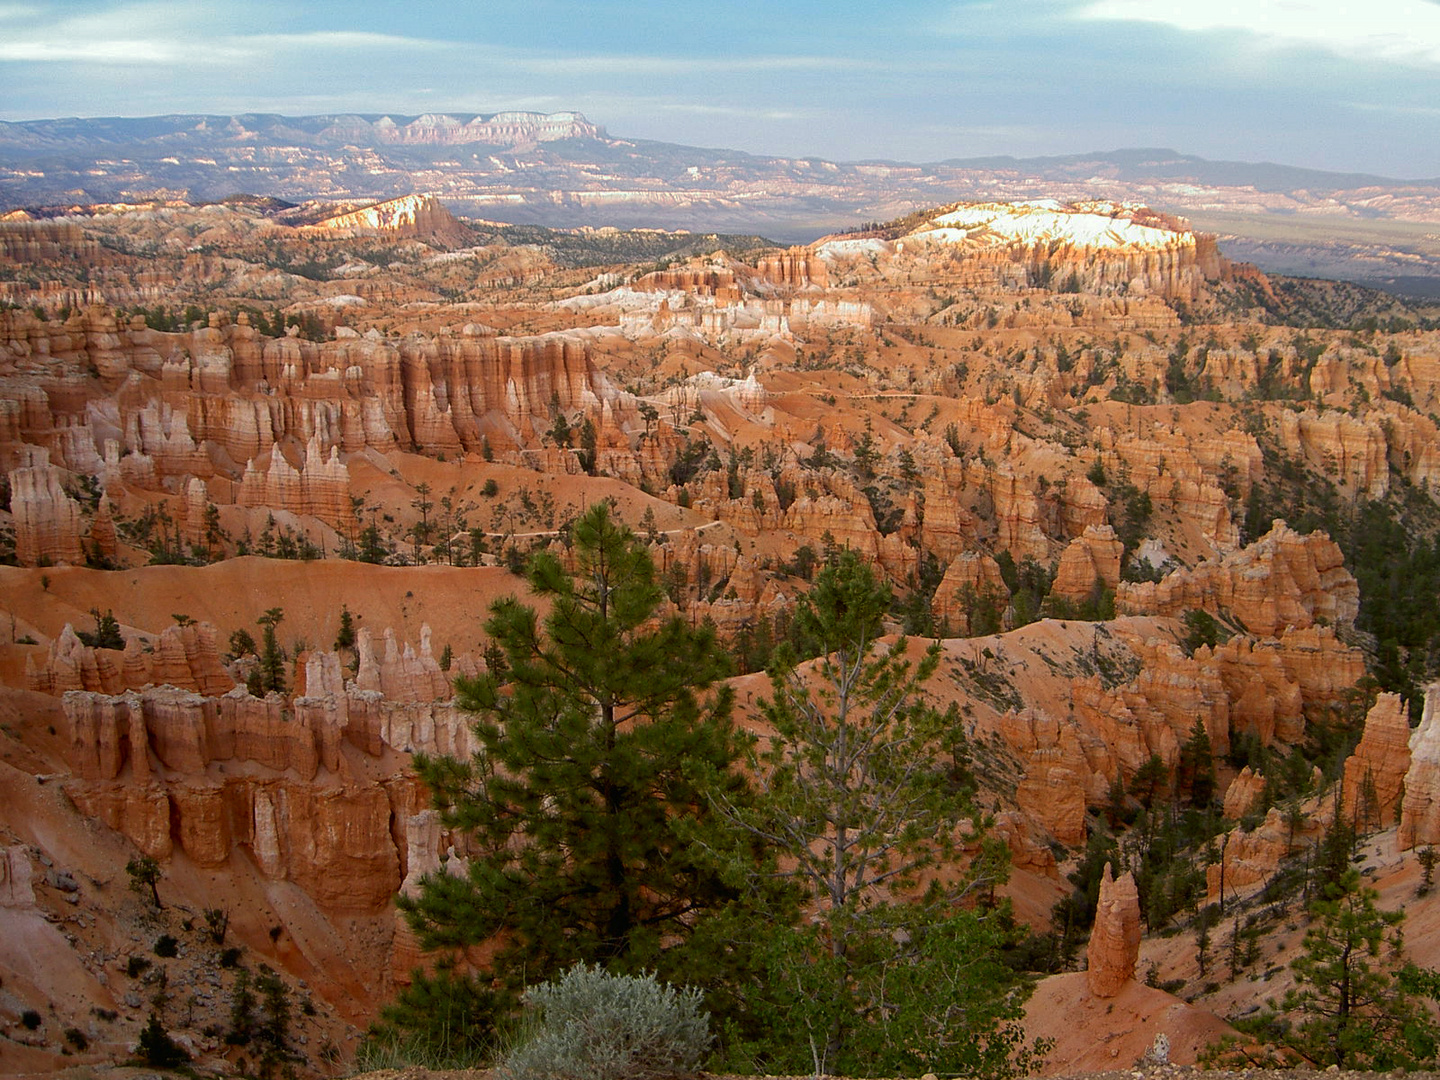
(167, 946)
(597, 1026)
(156, 1048)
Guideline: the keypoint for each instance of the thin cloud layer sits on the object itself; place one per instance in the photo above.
(1310, 82)
(1400, 31)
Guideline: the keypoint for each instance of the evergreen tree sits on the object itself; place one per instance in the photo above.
(857, 800)
(584, 824)
(106, 634)
(589, 446)
(242, 1010)
(156, 1048)
(1150, 781)
(345, 636)
(271, 669)
(444, 1017)
(1356, 1014)
(273, 1030)
(1195, 770)
(144, 873)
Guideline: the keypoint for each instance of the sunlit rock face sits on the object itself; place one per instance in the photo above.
(1115, 942)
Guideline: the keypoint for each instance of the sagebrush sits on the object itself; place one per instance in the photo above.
(592, 1025)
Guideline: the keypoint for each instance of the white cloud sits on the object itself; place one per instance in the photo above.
(180, 34)
(114, 51)
(680, 66)
(1398, 110)
(704, 109)
(1398, 31)
(337, 40)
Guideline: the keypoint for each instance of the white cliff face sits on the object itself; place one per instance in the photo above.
(1092, 225)
(440, 129)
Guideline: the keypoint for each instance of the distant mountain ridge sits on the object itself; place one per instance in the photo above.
(335, 129)
(1151, 163)
(561, 170)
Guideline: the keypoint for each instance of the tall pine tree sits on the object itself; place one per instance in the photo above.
(862, 794)
(584, 830)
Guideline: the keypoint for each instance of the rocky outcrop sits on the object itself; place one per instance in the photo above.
(1097, 247)
(1249, 858)
(1282, 580)
(331, 840)
(187, 657)
(70, 664)
(1186, 473)
(152, 765)
(973, 579)
(184, 732)
(400, 673)
(16, 890)
(1420, 812)
(1244, 793)
(1278, 685)
(409, 217)
(795, 268)
(320, 487)
(1130, 695)
(1375, 773)
(48, 526)
(1091, 559)
(1351, 451)
(224, 393)
(1053, 797)
(1115, 941)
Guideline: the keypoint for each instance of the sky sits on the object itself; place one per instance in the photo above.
(1329, 84)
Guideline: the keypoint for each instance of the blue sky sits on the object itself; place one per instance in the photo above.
(1323, 83)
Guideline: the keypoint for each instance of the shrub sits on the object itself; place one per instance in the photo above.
(77, 1038)
(217, 922)
(106, 634)
(31, 1019)
(597, 1026)
(156, 1048)
(135, 966)
(166, 945)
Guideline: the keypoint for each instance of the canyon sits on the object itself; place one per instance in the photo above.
(561, 169)
(1116, 474)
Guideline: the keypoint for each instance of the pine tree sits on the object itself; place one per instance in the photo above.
(345, 636)
(271, 669)
(1195, 770)
(144, 873)
(242, 1010)
(273, 1030)
(156, 1048)
(579, 807)
(106, 634)
(856, 798)
(1356, 1014)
